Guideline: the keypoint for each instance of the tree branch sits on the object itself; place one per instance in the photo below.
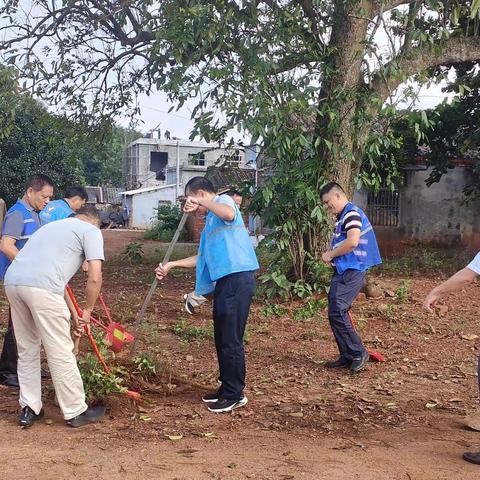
(379, 5)
(453, 51)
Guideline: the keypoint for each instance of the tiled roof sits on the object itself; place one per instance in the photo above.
(223, 177)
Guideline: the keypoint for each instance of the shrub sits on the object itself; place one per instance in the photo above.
(134, 253)
(166, 222)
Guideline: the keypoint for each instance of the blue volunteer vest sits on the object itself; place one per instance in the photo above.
(225, 248)
(366, 254)
(30, 226)
(55, 210)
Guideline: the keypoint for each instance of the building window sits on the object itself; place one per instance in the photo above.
(158, 164)
(196, 159)
(383, 207)
(232, 160)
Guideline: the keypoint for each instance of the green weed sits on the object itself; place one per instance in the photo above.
(402, 291)
(309, 309)
(134, 253)
(273, 310)
(145, 366)
(191, 332)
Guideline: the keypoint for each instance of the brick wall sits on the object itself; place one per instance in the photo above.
(195, 224)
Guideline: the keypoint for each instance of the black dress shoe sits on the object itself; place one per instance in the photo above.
(359, 363)
(472, 457)
(340, 362)
(90, 415)
(28, 416)
(10, 380)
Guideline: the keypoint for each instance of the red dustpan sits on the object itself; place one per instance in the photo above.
(115, 334)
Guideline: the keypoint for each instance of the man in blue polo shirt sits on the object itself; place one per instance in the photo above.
(225, 265)
(354, 250)
(457, 282)
(75, 198)
(20, 223)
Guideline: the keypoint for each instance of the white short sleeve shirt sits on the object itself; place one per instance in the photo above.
(475, 264)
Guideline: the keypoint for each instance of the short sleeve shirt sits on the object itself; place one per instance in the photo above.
(13, 223)
(54, 254)
(474, 265)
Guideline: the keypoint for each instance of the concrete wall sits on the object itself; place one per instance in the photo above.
(144, 204)
(146, 178)
(436, 214)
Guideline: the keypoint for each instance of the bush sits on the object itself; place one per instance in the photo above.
(166, 222)
(134, 253)
(278, 279)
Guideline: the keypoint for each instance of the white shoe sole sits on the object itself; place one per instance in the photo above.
(240, 403)
(213, 400)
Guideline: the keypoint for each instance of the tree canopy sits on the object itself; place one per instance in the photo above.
(32, 140)
(308, 78)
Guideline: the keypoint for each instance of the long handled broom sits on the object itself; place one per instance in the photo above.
(148, 298)
(373, 354)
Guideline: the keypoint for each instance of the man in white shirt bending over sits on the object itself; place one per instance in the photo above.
(35, 285)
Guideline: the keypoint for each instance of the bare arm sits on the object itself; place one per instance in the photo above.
(94, 284)
(347, 246)
(456, 282)
(7, 246)
(162, 270)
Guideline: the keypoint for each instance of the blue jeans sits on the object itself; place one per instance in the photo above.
(231, 305)
(344, 288)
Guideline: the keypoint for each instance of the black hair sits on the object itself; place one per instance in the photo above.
(328, 187)
(76, 192)
(89, 210)
(199, 183)
(38, 181)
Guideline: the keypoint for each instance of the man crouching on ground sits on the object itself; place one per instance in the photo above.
(35, 285)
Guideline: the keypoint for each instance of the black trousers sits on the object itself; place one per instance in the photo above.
(344, 288)
(231, 305)
(9, 356)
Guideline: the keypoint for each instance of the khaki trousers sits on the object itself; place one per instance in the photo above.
(42, 317)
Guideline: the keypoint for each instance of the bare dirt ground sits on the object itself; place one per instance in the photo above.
(396, 420)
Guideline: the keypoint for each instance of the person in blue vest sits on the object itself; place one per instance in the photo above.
(354, 250)
(75, 198)
(225, 265)
(21, 222)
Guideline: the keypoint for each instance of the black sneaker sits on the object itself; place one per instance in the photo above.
(340, 362)
(90, 415)
(359, 363)
(472, 457)
(223, 405)
(28, 416)
(211, 397)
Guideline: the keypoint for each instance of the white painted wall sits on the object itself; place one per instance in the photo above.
(144, 205)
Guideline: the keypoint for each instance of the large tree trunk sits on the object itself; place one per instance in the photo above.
(341, 158)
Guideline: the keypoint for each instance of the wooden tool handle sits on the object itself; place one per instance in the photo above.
(153, 287)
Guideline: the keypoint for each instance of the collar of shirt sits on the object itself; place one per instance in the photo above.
(339, 216)
(26, 205)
